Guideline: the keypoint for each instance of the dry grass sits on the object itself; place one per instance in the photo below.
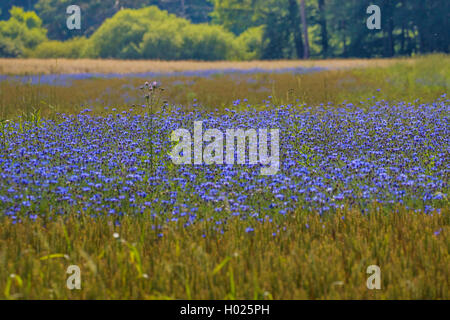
(64, 66)
(314, 257)
(311, 257)
(425, 78)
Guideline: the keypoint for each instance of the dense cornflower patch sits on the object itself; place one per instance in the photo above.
(330, 157)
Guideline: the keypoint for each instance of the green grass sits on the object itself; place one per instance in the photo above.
(312, 258)
(327, 260)
(424, 78)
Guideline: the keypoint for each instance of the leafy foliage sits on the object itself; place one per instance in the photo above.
(251, 41)
(152, 33)
(171, 29)
(95, 12)
(22, 31)
(73, 48)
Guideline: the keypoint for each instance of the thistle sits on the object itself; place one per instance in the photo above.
(152, 94)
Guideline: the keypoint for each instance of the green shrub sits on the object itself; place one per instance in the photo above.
(146, 33)
(10, 48)
(74, 48)
(150, 33)
(164, 40)
(250, 43)
(21, 32)
(204, 42)
(121, 35)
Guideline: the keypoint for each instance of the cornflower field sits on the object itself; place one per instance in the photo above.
(87, 179)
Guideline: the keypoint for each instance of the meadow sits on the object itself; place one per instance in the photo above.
(85, 179)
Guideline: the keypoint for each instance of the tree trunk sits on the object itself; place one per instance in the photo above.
(342, 25)
(402, 40)
(421, 17)
(295, 27)
(305, 29)
(390, 39)
(390, 29)
(323, 28)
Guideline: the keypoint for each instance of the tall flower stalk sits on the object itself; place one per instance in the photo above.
(152, 95)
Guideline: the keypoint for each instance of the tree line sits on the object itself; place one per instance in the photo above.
(224, 29)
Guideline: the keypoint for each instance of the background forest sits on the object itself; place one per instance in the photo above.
(222, 29)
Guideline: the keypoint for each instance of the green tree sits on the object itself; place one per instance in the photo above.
(432, 21)
(279, 19)
(305, 28)
(6, 5)
(242, 29)
(322, 21)
(251, 43)
(23, 31)
(95, 12)
(204, 42)
(121, 35)
(154, 34)
(237, 15)
(197, 11)
(164, 40)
